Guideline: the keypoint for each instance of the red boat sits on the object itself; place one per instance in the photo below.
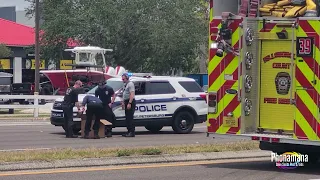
(89, 67)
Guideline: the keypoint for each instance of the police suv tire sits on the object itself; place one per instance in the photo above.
(154, 128)
(177, 124)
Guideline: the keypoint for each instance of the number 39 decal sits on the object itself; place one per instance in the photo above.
(304, 46)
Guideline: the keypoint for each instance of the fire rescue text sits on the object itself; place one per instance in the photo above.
(276, 100)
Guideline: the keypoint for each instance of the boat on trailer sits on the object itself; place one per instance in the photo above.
(89, 66)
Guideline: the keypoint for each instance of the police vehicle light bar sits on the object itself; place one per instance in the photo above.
(139, 74)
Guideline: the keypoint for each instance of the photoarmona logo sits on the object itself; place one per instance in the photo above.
(289, 160)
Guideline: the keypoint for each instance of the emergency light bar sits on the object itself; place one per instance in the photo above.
(139, 74)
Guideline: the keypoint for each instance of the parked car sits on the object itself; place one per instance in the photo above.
(5, 88)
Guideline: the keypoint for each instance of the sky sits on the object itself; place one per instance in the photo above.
(20, 4)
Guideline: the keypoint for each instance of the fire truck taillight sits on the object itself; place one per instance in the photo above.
(212, 102)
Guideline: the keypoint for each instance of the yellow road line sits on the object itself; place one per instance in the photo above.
(71, 170)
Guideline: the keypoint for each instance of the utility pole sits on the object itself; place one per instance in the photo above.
(37, 48)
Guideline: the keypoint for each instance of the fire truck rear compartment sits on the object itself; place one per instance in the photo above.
(276, 112)
(272, 80)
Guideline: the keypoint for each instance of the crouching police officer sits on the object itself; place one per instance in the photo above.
(70, 100)
(94, 108)
(105, 92)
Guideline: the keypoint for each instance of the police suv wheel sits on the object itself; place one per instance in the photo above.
(183, 122)
(154, 129)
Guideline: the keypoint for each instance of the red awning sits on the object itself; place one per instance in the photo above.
(18, 35)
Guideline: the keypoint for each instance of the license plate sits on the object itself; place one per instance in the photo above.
(56, 115)
(230, 121)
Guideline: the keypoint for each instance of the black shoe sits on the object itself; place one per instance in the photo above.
(130, 134)
(125, 134)
(109, 134)
(86, 136)
(96, 137)
(72, 136)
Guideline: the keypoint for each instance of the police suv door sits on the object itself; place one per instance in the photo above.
(140, 92)
(159, 101)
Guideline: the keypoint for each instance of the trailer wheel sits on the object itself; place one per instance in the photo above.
(11, 111)
(21, 101)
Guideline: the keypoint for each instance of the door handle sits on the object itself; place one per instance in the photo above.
(175, 98)
(142, 100)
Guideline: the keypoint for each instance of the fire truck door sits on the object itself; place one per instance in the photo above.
(276, 79)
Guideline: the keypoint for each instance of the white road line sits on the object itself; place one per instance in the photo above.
(35, 149)
(24, 124)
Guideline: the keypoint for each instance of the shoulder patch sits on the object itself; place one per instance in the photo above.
(69, 90)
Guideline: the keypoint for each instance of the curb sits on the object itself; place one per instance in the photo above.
(147, 159)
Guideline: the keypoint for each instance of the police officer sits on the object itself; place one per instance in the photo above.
(94, 108)
(129, 104)
(70, 100)
(105, 92)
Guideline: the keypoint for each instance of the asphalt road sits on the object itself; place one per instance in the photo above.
(218, 170)
(34, 135)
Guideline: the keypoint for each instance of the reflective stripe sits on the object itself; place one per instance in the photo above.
(306, 121)
(218, 67)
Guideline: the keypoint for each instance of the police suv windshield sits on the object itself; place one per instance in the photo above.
(116, 85)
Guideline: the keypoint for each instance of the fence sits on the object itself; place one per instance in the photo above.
(35, 106)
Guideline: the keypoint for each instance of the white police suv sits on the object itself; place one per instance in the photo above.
(161, 101)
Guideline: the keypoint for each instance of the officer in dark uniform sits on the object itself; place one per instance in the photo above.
(70, 100)
(105, 92)
(94, 108)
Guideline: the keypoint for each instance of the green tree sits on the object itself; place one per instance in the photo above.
(4, 51)
(162, 36)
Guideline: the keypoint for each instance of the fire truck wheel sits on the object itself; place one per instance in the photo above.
(183, 122)
(313, 158)
(153, 128)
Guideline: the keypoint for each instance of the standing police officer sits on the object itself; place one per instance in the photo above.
(129, 104)
(94, 108)
(105, 92)
(70, 100)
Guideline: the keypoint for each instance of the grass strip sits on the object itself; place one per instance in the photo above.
(69, 153)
